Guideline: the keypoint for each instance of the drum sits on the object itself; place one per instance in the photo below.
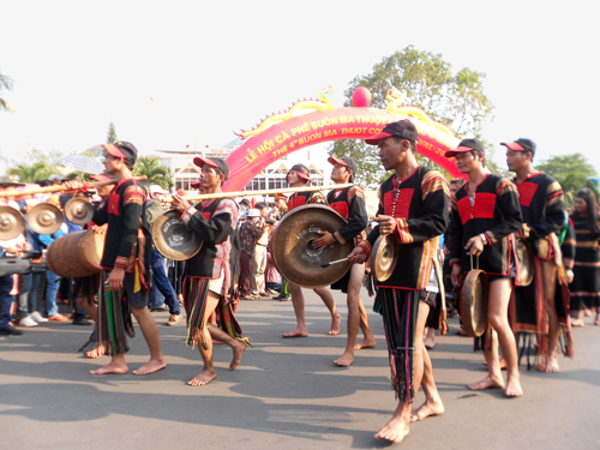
(77, 254)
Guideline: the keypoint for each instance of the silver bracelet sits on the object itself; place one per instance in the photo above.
(483, 239)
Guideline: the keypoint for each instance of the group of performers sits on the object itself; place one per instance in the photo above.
(482, 220)
(488, 214)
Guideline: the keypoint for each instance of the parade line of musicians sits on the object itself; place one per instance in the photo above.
(441, 228)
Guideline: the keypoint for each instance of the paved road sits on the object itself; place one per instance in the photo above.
(286, 394)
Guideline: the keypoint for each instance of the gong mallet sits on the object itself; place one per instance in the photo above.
(337, 261)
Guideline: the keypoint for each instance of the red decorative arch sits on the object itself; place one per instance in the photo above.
(283, 137)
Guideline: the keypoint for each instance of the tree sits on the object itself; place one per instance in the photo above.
(572, 172)
(5, 84)
(426, 81)
(156, 172)
(44, 164)
(30, 173)
(111, 134)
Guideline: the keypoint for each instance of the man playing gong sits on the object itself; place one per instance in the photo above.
(537, 306)
(299, 176)
(413, 209)
(485, 213)
(350, 203)
(207, 286)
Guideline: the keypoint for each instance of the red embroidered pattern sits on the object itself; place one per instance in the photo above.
(133, 194)
(464, 209)
(295, 201)
(484, 206)
(526, 192)
(113, 204)
(341, 207)
(402, 203)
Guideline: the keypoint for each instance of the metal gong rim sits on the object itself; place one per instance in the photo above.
(524, 257)
(173, 239)
(79, 211)
(45, 218)
(12, 223)
(473, 303)
(292, 251)
(384, 257)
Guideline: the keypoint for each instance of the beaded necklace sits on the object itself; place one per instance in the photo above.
(396, 182)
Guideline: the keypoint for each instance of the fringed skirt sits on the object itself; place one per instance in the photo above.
(114, 322)
(528, 313)
(399, 309)
(195, 292)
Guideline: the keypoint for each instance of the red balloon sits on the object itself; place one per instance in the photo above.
(361, 97)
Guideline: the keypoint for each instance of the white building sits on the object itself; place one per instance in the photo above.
(273, 177)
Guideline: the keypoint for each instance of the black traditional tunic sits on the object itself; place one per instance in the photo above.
(493, 212)
(123, 213)
(585, 288)
(419, 203)
(214, 221)
(543, 209)
(350, 203)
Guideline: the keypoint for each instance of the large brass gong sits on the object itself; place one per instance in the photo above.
(294, 255)
(173, 239)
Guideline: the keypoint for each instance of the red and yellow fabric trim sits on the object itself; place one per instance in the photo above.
(404, 236)
(433, 181)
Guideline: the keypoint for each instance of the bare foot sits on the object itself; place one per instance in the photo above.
(151, 367)
(488, 382)
(296, 332)
(395, 430)
(428, 409)
(336, 325)
(96, 352)
(513, 387)
(577, 323)
(204, 377)
(345, 360)
(366, 343)
(112, 368)
(239, 348)
(548, 365)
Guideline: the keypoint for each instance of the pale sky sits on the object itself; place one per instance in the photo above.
(177, 73)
